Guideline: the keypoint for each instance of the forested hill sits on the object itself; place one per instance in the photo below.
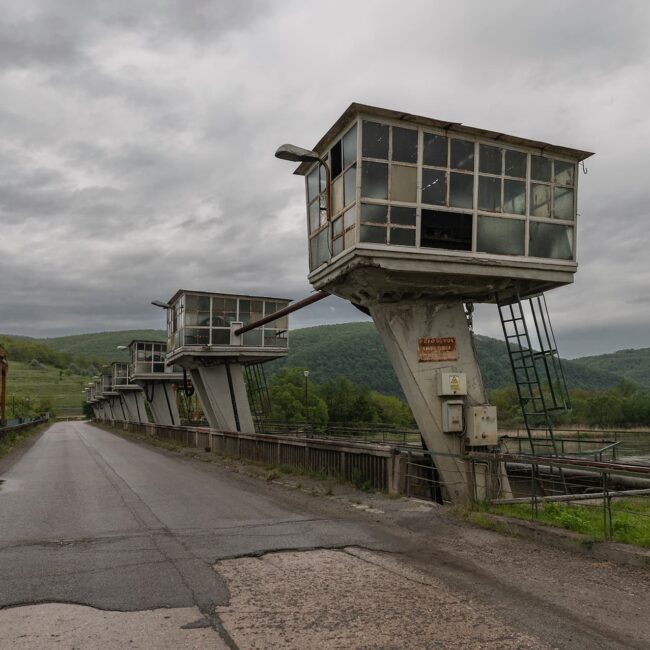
(633, 365)
(103, 345)
(355, 351)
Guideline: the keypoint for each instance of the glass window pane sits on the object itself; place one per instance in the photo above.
(313, 252)
(337, 195)
(323, 248)
(462, 154)
(434, 186)
(461, 190)
(197, 336)
(515, 164)
(403, 183)
(540, 168)
(540, 200)
(349, 238)
(564, 172)
(550, 240)
(514, 197)
(563, 203)
(373, 234)
(256, 309)
(402, 216)
(336, 159)
(501, 236)
(314, 216)
(402, 236)
(374, 180)
(489, 160)
(375, 140)
(374, 213)
(434, 150)
(350, 146)
(323, 179)
(220, 336)
(337, 246)
(447, 230)
(349, 218)
(405, 145)
(312, 184)
(274, 338)
(337, 226)
(489, 193)
(253, 338)
(350, 185)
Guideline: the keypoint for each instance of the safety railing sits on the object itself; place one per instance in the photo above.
(605, 500)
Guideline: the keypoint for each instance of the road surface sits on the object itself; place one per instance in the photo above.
(105, 542)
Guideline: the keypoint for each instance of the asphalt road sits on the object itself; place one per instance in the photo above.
(88, 517)
(201, 556)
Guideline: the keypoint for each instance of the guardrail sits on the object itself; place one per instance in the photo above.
(366, 464)
(14, 426)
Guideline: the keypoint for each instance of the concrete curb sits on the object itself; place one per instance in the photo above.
(626, 554)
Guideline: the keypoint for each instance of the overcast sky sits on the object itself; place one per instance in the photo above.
(137, 140)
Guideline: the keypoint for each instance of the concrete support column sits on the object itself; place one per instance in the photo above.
(163, 403)
(401, 326)
(222, 392)
(136, 410)
(119, 409)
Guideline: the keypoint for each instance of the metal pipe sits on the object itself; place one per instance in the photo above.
(295, 306)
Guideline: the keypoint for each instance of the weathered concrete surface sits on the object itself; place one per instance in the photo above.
(57, 625)
(87, 517)
(351, 599)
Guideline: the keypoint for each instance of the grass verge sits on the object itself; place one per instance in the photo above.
(630, 518)
(10, 441)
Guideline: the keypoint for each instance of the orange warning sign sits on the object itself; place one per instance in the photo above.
(437, 349)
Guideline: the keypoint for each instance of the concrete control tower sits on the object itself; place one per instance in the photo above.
(411, 219)
(131, 398)
(203, 338)
(108, 399)
(147, 369)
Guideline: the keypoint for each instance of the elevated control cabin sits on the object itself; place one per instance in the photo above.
(202, 339)
(421, 206)
(147, 369)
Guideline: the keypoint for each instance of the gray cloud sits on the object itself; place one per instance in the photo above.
(137, 139)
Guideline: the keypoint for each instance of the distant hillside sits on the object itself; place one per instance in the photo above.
(633, 365)
(102, 345)
(355, 351)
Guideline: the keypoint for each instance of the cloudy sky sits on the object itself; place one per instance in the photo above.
(137, 140)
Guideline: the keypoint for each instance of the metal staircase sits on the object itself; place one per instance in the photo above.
(258, 394)
(536, 367)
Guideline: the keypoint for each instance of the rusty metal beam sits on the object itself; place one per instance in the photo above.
(295, 306)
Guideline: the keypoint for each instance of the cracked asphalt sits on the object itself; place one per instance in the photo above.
(106, 542)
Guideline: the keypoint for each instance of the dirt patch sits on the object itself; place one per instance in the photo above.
(351, 598)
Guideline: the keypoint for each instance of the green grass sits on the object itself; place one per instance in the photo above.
(10, 441)
(630, 518)
(47, 389)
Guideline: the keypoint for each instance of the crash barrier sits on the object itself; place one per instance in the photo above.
(21, 424)
(372, 466)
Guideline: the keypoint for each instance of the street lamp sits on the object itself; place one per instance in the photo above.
(293, 153)
(306, 375)
(161, 304)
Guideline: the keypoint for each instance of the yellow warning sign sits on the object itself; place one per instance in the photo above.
(454, 383)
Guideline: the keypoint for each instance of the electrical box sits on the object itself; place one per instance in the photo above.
(482, 426)
(452, 383)
(452, 416)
